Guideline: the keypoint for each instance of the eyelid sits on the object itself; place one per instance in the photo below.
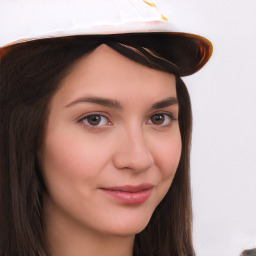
(165, 112)
(106, 115)
(168, 114)
(83, 117)
(100, 113)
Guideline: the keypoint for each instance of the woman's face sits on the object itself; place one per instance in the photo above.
(112, 144)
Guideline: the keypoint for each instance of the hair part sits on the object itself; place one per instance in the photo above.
(30, 75)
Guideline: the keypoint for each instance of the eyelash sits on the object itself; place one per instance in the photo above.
(85, 119)
(166, 115)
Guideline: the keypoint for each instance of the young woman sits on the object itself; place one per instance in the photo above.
(95, 139)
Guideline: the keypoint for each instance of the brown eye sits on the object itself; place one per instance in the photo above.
(161, 119)
(157, 119)
(94, 120)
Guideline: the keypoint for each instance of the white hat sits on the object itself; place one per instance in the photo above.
(27, 20)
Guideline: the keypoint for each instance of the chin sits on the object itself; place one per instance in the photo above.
(128, 225)
(126, 231)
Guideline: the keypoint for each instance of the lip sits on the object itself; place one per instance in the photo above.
(130, 194)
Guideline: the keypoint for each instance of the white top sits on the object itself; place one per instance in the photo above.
(24, 20)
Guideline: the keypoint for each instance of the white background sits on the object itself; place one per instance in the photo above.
(223, 95)
(223, 164)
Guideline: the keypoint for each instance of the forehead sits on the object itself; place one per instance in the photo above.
(106, 72)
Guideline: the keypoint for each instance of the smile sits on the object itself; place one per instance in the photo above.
(130, 194)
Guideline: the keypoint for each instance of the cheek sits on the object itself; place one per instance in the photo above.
(167, 155)
(71, 158)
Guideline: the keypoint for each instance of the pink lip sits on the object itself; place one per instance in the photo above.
(130, 194)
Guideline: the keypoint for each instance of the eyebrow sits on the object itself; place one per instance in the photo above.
(165, 103)
(99, 101)
(117, 105)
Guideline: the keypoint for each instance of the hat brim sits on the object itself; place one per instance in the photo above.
(188, 52)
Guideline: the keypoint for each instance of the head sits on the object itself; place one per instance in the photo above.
(34, 76)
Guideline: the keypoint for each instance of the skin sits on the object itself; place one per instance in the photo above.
(127, 147)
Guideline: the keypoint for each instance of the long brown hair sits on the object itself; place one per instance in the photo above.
(29, 76)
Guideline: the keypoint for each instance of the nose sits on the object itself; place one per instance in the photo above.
(132, 151)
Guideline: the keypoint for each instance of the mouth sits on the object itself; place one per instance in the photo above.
(129, 194)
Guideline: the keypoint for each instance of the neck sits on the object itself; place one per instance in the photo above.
(65, 238)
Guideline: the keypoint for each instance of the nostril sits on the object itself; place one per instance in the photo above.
(133, 161)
